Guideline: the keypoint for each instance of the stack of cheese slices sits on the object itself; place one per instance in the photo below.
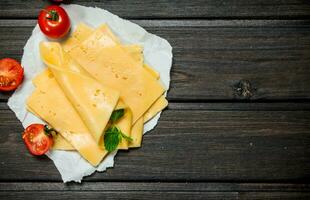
(88, 76)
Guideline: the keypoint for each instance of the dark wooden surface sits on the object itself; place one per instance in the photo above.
(134, 9)
(238, 122)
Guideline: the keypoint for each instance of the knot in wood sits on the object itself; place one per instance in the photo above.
(244, 89)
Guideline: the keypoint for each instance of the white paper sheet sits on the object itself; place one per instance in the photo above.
(157, 53)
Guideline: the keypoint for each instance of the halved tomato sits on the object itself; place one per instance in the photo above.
(37, 140)
(11, 74)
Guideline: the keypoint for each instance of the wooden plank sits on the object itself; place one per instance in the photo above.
(189, 145)
(173, 9)
(144, 190)
(149, 195)
(117, 195)
(218, 60)
(154, 186)
(244, 106)
(274, 195)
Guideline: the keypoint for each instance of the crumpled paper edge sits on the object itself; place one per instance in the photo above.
(120, 27)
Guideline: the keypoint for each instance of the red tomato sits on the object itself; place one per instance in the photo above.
(37, 140)
(54, 22)
(11, 74)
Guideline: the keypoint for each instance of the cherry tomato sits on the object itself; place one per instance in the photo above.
(11, 74)
(54, 22)
(37, 140)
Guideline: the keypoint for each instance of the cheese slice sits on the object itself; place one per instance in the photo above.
(113, 67)
(81, 32)
(92, 100)
(152, 71)
(136, 52)
(136, 133)
(50, 104)
(158, 106)
(60, 143)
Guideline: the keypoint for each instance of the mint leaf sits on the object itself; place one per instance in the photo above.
(117, 114)
(112, 137)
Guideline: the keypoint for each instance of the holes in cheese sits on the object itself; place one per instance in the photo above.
(124, 124)
(135, 51)
(81, 32)
(113, 67)
(92, 100)
(50, 103)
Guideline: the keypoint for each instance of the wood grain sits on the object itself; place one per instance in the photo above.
(154, 186)
(212, 57)
(172, 9)
(189, 145)
(178, 195)
(146, 190)
(117, 195)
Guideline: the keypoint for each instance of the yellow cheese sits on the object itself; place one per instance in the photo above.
(50, 104)
(81, 32)
(113, 67)
(108, 33)
(152, 71)
(92, 100)
(135, 51)
(124, 124)
(136, 133)
(158, 106)
(60, 143)
(41, 77)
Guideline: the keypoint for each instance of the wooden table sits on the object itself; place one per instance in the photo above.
(238, 122)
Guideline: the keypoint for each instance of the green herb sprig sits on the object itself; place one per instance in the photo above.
(113, 135)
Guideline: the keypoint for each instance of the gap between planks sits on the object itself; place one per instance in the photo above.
(155, 186)
(183, 23)
(226, 106)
